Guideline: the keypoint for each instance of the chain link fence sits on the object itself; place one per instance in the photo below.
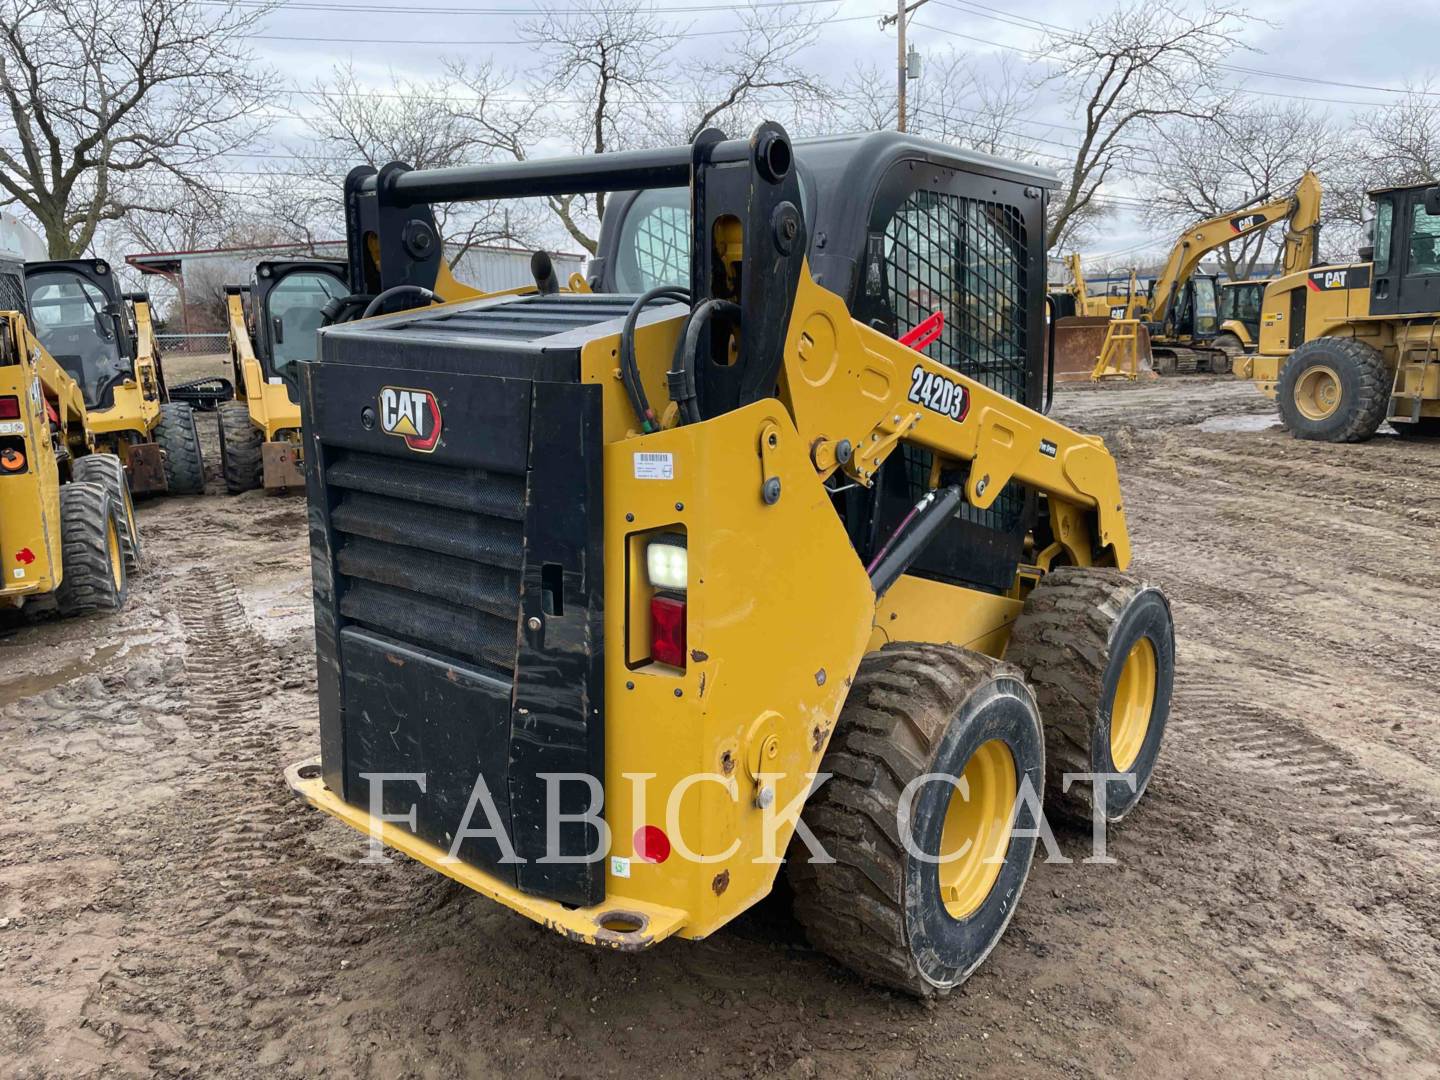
(193, 344)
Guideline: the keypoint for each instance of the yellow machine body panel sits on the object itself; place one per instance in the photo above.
(30, 550)
(271, 409)
(1310, 304)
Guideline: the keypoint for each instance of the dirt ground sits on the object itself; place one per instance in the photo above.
(166, 908)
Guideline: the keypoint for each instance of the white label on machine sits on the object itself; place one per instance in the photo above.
(620, 867)
(653, 466)
(12, 427)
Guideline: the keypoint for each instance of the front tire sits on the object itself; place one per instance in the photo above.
(241, 459)
(92, 565)
(1333, 390)
(176, 434)
(1098, 647)
(109, 472)
(886, 908)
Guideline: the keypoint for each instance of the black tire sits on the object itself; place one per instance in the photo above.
(1355, 369)
(241, 460)
(176, 434)
(93, 563)
(108, 471)
(1427, 427)
(1073, 639)
(915, 710)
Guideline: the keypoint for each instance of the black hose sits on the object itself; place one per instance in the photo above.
(629, 366)
(683, 390)
(343, 309)
(396, 290)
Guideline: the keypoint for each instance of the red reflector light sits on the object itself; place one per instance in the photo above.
(651, 844)
(667, 631)
(9, 407)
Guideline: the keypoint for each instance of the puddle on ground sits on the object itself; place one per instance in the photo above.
(1245, 422)
(29, 685)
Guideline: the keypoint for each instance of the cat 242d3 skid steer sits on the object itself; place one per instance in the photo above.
(604, 580)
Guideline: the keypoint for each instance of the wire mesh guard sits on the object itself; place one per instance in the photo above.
(12, 292)
(662, 246)
(967, 258)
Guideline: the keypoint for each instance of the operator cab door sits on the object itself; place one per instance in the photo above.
(82, 323)
(1406, 275)
(289, 301)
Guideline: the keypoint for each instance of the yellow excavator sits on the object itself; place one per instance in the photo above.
(1186, 331)
(1122, 299)
(1344, 348)
(608, 582)
(1182, 307)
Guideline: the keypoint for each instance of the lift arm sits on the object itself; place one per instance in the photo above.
(1301, 208)
(856, 395)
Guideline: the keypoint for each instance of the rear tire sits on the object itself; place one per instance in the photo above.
(883, 909)
(109, 472)
(1333, 390)
(1081, 630)
(176, 434)
(241, 459)
(93, 564)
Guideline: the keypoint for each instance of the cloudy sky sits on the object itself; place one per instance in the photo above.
(1337, 54)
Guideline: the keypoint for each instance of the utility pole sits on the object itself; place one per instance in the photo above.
(902, 67)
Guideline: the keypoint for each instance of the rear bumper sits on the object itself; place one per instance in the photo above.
(283, 465)
(643, 924)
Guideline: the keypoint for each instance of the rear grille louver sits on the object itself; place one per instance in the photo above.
(430, 554)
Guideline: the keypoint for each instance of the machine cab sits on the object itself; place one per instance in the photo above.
(81, 320)
(1196, 310)
(287, 301)
(1405, 277)
(1240, 304)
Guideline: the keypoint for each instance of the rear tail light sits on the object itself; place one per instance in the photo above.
(667, 630)
(9, 408)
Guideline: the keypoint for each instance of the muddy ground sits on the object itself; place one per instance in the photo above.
(166, 908)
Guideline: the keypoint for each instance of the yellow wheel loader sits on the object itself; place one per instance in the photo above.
(68, 538)
(272, 324)
(1344, 348)
(628, 600)
(105, 341)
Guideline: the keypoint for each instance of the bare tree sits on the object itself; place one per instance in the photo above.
(422, 124)
(957, 101)
(1254, 151)
(1401, 143)
(1143, 64)
(614, 57)
(99, 94)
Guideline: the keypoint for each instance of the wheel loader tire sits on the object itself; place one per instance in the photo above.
(916, 716)
(1098, 648)
(1427, 427)
(240, 442)
(108, 471)
(1333, 390)
(176, 434)
(92, 561)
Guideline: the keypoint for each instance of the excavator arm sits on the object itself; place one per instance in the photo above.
(1301, 208)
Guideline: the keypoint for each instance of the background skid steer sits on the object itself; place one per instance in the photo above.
(272, 325)
(713, 526)
(68, 540)
(105, 342)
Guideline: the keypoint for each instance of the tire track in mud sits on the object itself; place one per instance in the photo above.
(1321, 777)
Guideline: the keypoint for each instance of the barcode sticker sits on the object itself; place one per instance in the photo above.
(654, 466)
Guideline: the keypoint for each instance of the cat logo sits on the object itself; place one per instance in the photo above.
(1348, 278)
(414, 415)
(1246, 222)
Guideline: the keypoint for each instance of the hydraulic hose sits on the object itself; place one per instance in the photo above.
(398, 290)
(629, 366)
(682, 379)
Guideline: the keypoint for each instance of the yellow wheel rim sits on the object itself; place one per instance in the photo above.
(112, 542)
(977, 829)
(1317, 392)
(1133, 704)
